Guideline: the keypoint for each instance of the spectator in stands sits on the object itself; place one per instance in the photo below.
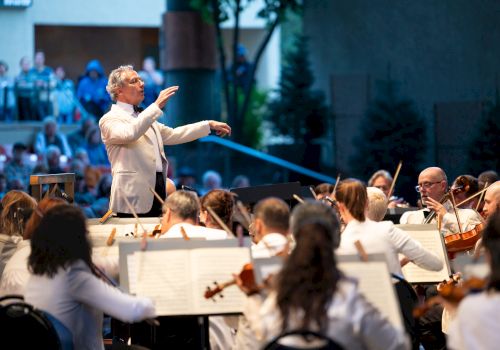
(53, 156)
(64, 97)
(77, 138)
(91, 91)
(240, 181)
(153, 80)
(101, 204)
(3, 186)
(95, 148)
(24, 87)
(211, 181)
(16, 168)
(241, 69)
(7, 97)
(49, 136)
(45, 83)
(186, 177)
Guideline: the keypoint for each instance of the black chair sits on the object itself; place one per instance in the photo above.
(325, 343)
(23, 326)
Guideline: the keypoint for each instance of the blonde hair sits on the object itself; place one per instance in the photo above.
(14, 203)
(115, 80)
(377, 204)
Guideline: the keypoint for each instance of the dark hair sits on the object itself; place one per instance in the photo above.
(352, 193)
(324, 188)
(44, 205)
(491, 242)
(222, 203)
(309, 277)
(467, 180)
(274, 212)
(59, 240)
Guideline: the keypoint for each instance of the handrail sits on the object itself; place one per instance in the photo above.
(268, 158)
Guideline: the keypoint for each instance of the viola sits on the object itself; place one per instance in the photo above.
(247, 277)
(452, 292)
(459, 242)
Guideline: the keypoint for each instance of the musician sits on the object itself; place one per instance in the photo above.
(477, 323)
(382, 180)
(323, 190)
(432, 186)
(311, 293)
(64, 281)
(135, 142)
(470, 186)
(492, 199)
(377, 237)
(222, 203)
(377, 204)
(181, 212)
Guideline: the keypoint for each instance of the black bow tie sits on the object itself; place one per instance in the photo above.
(138, 109)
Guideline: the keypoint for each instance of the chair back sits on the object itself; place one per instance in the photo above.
(309, 340)
(23, 326)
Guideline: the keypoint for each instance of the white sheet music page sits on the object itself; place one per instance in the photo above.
(375, 284)
(211, 265)
(432, 241)
(162, 276)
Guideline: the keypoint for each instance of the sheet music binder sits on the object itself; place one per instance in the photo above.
(199, 264)
(431, 239)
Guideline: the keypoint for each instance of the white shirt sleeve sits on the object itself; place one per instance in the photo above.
(90, 290)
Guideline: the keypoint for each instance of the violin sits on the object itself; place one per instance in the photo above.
(452, 292)
(247, 277)
(459, 242)
(447, 196)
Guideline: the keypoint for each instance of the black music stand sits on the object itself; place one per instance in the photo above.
(251, 195)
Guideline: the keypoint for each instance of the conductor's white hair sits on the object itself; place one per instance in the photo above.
(116, 80)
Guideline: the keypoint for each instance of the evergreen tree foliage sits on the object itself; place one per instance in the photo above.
(298, 110)
(391, 131)
(484, 150)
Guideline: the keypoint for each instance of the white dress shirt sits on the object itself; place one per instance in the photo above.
(16, 275)
(270, 245)
(384, 237)
(476, 325)
(78, 299)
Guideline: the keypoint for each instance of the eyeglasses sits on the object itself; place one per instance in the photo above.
(425, 185)
(135, 81)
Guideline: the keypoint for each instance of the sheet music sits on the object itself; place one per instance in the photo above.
(176, 279)
(431, 240)
(375, 284)
(209, 265)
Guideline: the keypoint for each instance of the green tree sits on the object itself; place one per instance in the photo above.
(298, 110)
(484, 149)
(391, 131)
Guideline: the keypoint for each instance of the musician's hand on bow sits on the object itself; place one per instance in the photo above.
(221, 129)
(164, 95)
(436, 206)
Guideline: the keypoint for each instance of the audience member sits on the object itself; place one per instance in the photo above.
(91, 91)
(3, 186)
(16, 168)
(49, 136)
(64, 97)
(53, 157)
(240, 181)
(211, 181)
(186, 177)
(7, 96)
(24, 87)
(76, 139)
(45, 82)
(95, 148)
(153, 81)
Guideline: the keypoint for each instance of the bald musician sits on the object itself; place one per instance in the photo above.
(432, 186)
(135, 143)
(492, 199)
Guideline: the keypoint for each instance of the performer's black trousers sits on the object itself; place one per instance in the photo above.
(160, 188)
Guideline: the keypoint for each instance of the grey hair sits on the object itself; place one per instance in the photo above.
(115, 80)
(184, 204)
(377, 204)
(52, 150)
(384, 173)
(303, 213)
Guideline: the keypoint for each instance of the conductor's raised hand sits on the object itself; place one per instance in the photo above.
(164, 95)
(221, 129)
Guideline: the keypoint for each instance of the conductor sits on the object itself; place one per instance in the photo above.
(135, 143)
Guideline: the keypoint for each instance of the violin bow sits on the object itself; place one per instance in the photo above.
(313, 193)
(481, 196)
(220, 222)
(361, 250)
(396, 174)
(298, 199)
(157, 195)
(452, 196)
(144, 242)
(478, 193)
(244, 213)
(336, 185)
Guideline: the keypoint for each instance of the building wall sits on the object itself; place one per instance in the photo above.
(438, 51)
